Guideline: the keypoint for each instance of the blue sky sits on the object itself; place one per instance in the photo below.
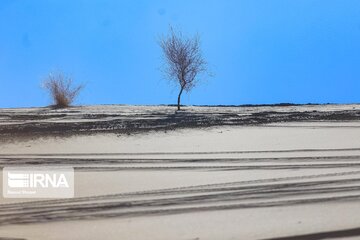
(261, 51)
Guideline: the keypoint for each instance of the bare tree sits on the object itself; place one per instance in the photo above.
(61, 89)
(183, 60)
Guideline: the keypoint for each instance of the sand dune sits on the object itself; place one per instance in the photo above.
(283, 180)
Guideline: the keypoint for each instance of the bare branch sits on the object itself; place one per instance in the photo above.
(184, 60)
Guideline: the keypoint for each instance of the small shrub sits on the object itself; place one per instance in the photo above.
(62, 89)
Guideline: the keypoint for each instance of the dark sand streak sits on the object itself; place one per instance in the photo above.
(38, 123)
(322, 235)
(182, 153)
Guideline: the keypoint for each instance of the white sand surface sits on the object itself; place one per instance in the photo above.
(257, 182)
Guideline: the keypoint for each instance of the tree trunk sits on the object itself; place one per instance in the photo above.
(178, 103)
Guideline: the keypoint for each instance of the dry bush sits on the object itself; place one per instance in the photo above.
(62, 89)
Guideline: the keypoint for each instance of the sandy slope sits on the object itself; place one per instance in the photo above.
(122, 119)
(225, 182)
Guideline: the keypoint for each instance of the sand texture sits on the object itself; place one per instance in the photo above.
(145, 172)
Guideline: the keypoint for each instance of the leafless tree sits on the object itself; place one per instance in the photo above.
(183, 60)
(61, 89)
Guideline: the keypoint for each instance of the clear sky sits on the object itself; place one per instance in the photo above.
(261, 51)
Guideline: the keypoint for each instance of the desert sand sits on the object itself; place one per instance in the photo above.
(144, 172)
